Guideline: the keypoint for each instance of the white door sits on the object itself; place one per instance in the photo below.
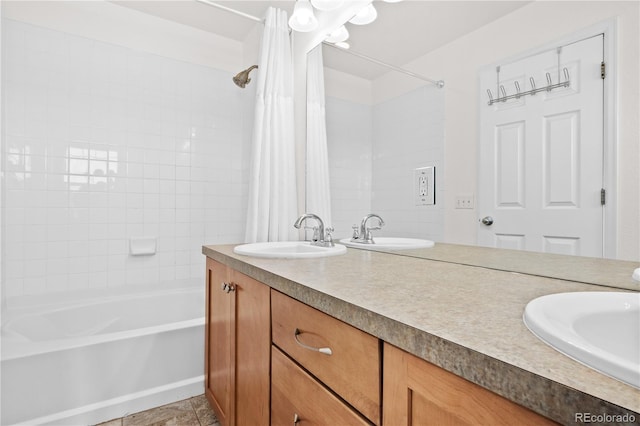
(541, 156)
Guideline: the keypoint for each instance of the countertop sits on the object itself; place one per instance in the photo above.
(465, 319)
(589, 270)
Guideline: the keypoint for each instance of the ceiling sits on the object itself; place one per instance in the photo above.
(403, 31)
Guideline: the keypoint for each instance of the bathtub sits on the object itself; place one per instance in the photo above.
(87, 361)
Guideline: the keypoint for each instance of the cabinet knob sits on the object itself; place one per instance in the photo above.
(296, 419)
(228, 287)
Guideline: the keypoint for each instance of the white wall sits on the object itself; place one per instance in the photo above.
(114, 131)
(408, 133)
(107, 22)
(531, 26)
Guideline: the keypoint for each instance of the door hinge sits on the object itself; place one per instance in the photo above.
(603, 70)
(603, 196)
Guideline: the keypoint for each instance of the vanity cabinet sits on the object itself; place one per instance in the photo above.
(237, 346)
(271, 359)
(417, 392)
(341, 357)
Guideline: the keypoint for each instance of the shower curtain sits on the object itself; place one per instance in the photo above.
(317, 162)
(272, 206)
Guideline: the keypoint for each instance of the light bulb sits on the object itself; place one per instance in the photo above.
(340, 34)
(326, 5)
(367, 15)
(302, 19)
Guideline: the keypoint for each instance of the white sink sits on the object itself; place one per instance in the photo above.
(598, 329)
(288, 249)
(390, 243)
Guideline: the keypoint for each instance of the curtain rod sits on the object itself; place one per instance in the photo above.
(228, 9)
(439, 83)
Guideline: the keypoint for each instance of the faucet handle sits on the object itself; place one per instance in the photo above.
(328, 238)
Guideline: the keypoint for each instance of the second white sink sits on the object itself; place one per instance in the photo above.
(390, 243)
(288, 249)
(599, 329)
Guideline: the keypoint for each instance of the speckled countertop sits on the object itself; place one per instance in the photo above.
(591, 270)
(465, 319)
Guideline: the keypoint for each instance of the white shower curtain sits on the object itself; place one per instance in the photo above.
(317, 162)
(272, 207)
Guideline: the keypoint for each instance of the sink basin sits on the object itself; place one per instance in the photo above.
(598, 329)
(390, 243)
(288, 249)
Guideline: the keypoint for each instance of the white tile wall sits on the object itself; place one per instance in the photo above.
(349, 143)
(102, 143)
(373, 151)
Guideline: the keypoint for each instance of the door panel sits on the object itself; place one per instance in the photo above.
(561, 160)
(510, 165)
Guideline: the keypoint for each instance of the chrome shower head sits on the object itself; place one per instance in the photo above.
(242, 78)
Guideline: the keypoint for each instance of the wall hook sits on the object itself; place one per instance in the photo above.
(533, 85)
(490, 97)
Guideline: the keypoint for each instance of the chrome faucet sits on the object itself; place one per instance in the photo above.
(363, 235)
(321, 236)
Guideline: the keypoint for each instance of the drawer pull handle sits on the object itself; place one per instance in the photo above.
(326, 351)
(296, 419)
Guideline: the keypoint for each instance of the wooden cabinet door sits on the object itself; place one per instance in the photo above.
(253, 347)
(416, 392)
(220, 343)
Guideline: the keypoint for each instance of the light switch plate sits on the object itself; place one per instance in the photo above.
(464, 201)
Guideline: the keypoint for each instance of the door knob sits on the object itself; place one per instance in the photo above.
(487, 220)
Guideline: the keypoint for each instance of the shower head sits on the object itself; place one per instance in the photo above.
(242, 78)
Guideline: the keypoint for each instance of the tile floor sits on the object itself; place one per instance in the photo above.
(189, 412)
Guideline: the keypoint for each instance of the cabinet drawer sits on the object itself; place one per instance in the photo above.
(297, 395)
(352, 370)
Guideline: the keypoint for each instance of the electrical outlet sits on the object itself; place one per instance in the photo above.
(424, 180)
(464, 201)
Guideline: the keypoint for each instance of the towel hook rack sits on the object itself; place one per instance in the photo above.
(503, 97)
(501, 94)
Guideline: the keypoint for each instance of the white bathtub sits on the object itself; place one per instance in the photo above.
(84, 362)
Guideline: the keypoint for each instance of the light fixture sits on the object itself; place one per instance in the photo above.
(326, 5)
(302, 19)
(339, 35)
(367, 15)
